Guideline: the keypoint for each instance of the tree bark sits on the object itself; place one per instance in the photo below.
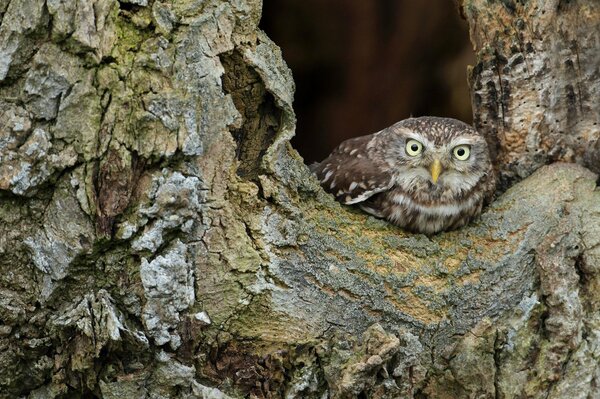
(160, 238)
(536, 85)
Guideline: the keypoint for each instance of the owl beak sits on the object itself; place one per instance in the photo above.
(435, 169)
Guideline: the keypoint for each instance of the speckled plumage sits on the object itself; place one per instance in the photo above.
(377, 173)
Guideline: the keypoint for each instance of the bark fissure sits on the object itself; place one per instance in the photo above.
(260, 115)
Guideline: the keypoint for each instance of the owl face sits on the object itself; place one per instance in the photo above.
(438, 159)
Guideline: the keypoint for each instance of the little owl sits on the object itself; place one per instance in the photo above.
(423, 174)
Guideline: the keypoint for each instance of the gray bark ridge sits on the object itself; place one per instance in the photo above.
(160, 238)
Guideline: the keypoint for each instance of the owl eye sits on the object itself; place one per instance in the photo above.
(462, 152)
(413, 147)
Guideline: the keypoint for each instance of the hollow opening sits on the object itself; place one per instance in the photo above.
(360, 66)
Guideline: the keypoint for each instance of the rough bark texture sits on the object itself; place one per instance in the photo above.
(159, 238)
(536, 85)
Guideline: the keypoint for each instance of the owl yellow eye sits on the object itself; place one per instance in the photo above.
(413, 147)
(462, 152)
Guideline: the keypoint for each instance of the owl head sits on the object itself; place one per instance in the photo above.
(440, 156)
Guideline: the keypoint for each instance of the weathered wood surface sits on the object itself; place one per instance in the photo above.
(159, 238)
(536, 85)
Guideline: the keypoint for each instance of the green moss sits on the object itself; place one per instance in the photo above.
(129, 39)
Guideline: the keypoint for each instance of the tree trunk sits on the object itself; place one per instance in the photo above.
(536, 85)
(160, 238)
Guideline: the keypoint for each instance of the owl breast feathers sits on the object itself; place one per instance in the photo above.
(423, 174)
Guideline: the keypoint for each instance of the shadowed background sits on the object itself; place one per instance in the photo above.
(360, 66)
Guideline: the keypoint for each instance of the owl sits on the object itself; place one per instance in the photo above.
(424, 174)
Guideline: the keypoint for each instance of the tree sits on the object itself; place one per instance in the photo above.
(535, 86)
(160, 237)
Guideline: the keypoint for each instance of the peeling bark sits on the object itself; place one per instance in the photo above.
(160, 238)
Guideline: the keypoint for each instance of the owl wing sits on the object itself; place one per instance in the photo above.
(355, 170)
